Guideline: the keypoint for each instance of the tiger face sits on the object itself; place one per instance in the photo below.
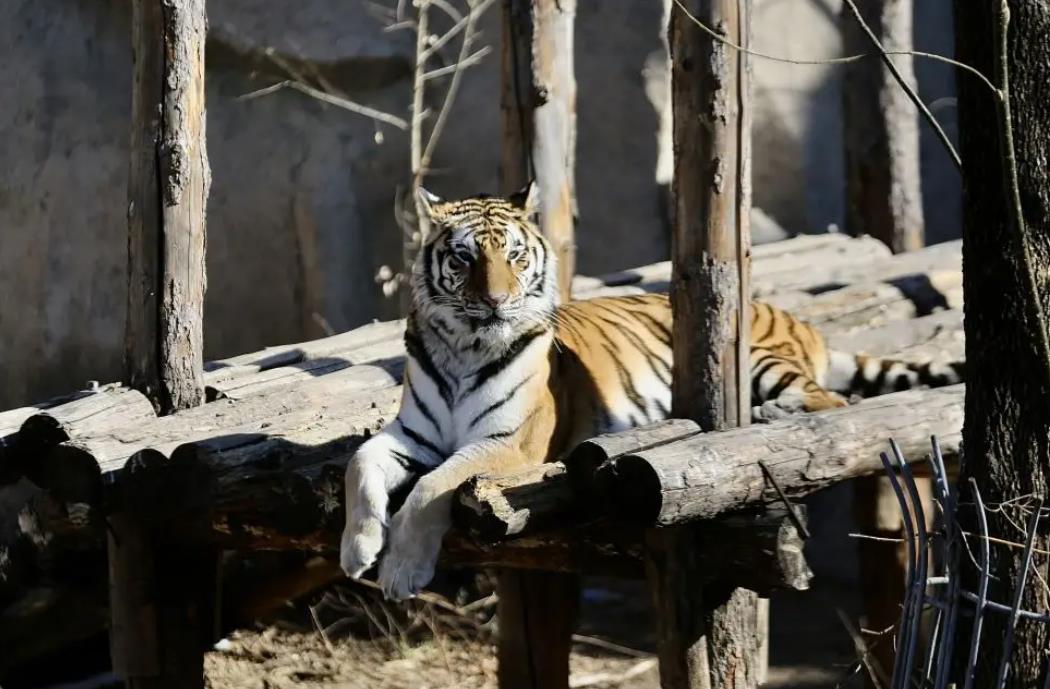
(484, 265)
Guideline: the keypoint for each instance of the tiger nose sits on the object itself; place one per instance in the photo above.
(495, 300)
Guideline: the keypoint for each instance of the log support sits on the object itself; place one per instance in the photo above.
(539, 146)
(708, 638)
(157, 602)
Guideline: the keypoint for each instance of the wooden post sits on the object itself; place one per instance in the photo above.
(539, 117)
(158, 620)
(881, 126)
(168, 186)
(884, 200)
(537, 610)
(708, 637)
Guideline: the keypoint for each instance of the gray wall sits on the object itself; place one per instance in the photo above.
(301, 213)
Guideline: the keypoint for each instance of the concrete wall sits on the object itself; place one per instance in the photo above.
(301, 213)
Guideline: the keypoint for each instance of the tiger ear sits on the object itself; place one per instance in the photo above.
(527, 199)
(426, 201)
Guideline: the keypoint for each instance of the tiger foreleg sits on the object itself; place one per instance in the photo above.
(380, 466)
(416, 531)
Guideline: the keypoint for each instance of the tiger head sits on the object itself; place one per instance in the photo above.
(484, 264)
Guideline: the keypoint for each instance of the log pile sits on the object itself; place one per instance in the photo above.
(264, 457)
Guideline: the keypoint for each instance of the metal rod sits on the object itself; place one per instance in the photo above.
(1008, 642)
(982, 590)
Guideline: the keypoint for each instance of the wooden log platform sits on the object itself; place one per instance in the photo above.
(264, 458)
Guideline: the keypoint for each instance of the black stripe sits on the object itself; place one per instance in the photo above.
(428, 278)
(423, 407)
(409, 464)
(419, 439)
(659, 367)
(506, 434)
(785, 380)
(658, 329)
(496, 405)
(515, 349)
(628, 385)
(772, 325)
(416, 350)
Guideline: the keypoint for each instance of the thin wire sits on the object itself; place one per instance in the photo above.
(835, 60)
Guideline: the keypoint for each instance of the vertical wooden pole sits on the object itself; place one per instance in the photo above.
(538, 610)
(168, 187)
(881, 127)
(156, 591)
(884, 200)
(709, 637)
(539, 117)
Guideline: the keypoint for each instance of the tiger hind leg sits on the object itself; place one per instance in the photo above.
(782, 387)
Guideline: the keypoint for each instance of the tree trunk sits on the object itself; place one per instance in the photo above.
(883, 188)
(1007, 427)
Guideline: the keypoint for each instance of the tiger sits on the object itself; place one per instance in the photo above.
(499, 376)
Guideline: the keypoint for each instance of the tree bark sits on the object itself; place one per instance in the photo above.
(883, 182)
(168, 187)
(1007, 427)
(539, 117)
(709, 636)
(159, 620)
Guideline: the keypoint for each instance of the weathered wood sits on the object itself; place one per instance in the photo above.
(707, 475)
(537, 610)
(704, 640)
(157, 610)
(881, 127)
(769, 262)
(370, 339)
(112, 405)
(538, 106)
(539, 146)
(168, 187)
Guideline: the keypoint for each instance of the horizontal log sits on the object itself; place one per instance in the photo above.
(934, 337)
(872, 304)
(795, 261)
(768, 261)
(800, 274)
(710, 474)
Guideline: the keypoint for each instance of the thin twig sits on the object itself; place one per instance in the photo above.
(609, 646)
(466, 62)
(864, 654)
(330, 99)
(450, 95)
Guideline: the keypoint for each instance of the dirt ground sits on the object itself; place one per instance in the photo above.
(368, 644)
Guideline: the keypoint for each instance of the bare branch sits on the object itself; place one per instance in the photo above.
(337, 101)
(469, 61)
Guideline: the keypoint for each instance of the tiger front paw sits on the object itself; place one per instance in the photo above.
(361, 544)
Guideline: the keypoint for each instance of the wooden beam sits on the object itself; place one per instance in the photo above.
(159, 618)
(708, 636)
